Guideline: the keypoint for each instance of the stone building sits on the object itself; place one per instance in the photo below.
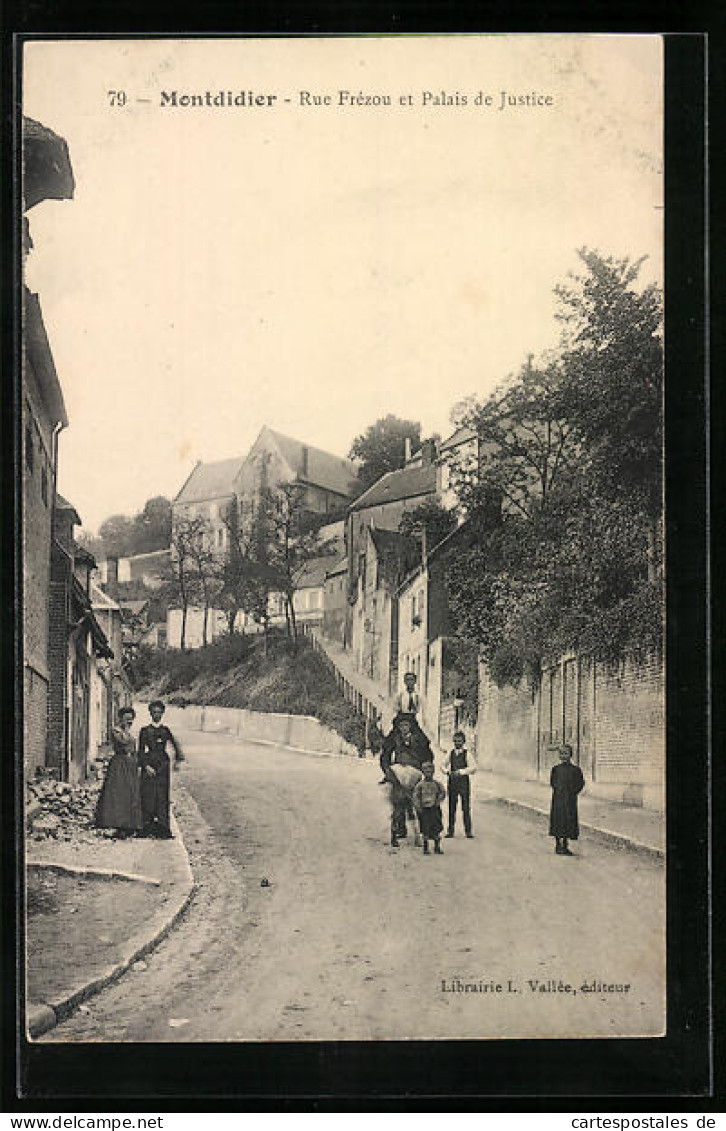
(47, 175)
(384, 504)
(387, 559)
(77, 646)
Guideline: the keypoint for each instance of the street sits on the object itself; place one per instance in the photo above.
(349, 939)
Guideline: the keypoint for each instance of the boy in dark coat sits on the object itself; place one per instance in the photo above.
(566, 781)
(155, 777)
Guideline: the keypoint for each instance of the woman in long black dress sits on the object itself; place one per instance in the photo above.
(155, 775)
(119, 804)
(567, 782)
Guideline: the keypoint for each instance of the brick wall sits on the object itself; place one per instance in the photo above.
(38, 493)
(58, 667)
(630, 724)
(507, 739)
(35, 720)
(614, 721)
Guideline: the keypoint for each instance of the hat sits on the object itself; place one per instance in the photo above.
(425, 765)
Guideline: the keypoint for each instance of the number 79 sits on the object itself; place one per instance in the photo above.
(117, 97)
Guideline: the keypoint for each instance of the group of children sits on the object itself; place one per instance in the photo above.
(134, 798)
(428, 794)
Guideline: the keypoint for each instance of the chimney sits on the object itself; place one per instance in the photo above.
(428, 452)
(305, 460)
(407, 449)
(112, 576)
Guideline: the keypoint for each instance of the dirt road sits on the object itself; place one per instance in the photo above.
(351, 940)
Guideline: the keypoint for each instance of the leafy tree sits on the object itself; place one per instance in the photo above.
(574, 451)
(429, 518)
(612, 362)
(152, 526)
(293, 542)
(382, 447)
(116, 533)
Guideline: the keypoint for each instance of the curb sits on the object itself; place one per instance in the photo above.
(99, 873)
(604, 836)
(293, 749)
(43, 1016)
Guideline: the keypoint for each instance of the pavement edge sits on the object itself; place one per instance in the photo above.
(605, 836)
(43, 1016)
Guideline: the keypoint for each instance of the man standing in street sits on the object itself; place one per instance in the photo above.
(460, 764)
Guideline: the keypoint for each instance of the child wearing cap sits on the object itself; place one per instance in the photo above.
(427, 798)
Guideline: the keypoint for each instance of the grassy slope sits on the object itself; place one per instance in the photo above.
(237, 673)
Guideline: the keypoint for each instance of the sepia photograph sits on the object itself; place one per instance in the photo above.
(343, 572)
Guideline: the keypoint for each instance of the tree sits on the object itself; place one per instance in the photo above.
(429, 519)
(526, 442)
(205, 568)
(246, 575)
(293, 541)
(116, 533)
(181, 588)
(151, 526)
(382, 447)
(149, 530)
(574, 450)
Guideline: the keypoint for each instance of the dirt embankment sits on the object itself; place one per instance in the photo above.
(238, 672)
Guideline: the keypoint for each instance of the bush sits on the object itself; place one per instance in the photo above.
(294, 680)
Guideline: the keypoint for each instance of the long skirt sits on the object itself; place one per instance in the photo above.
(155, 796)
(563, 815)
(119, 803)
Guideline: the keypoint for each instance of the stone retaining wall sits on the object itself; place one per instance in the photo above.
(298, 732)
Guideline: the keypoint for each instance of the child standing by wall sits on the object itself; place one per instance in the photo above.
(567, 782)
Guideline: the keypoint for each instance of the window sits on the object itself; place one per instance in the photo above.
(29, 450)
(44, 486)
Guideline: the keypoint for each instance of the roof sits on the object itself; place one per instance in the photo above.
(210, 481)
(62, 504)
(313, 573)
(47, 172)
(407, 483)
(100, 599)
(341, 566)
(460, 436)
(40, 355)
(333, 473)
(81, 554)
(134, 607)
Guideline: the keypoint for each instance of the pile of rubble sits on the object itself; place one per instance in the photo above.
(59, 811)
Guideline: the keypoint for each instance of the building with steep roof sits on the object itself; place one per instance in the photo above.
(328, 481)
(47, 175)
(384, 504)
(385, 561)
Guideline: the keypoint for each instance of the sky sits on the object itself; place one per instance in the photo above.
(315, 266)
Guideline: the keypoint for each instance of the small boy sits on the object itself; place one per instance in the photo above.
(567, 782)
(458, 767)
(427, 798)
